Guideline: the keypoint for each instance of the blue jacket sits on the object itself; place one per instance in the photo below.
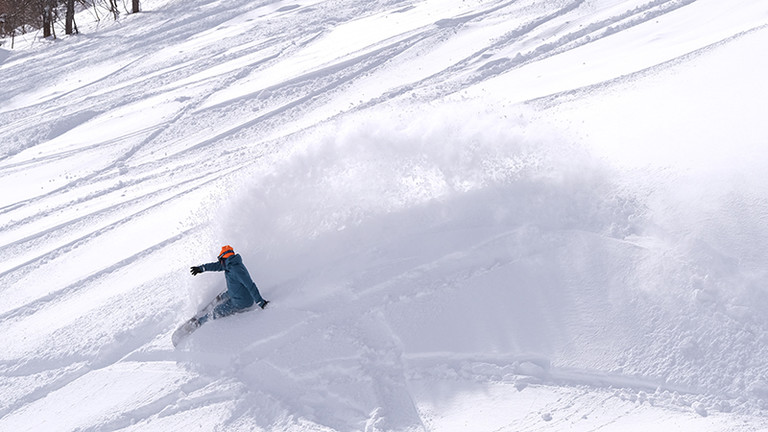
(242, 291)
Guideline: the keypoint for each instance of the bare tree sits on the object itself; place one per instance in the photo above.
(70, 27)
(19, 16)
(3, 19)
(16, 15)
(113, 8)
(47, 10)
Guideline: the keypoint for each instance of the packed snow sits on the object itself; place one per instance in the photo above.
(475, 215)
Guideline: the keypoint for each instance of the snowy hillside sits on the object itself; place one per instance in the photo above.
(469, 215)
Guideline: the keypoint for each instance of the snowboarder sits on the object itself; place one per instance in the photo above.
(240, 295)
(241, 292)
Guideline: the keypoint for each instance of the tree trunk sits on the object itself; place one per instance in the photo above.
(46, 27)
(47, 21)
(69, 21)
(113, 8)
(135, 6)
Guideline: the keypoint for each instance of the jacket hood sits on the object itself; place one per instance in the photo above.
(233, 259)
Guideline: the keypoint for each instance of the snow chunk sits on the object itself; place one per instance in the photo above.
(700, 409)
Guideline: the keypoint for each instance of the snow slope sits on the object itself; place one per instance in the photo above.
(469, 215)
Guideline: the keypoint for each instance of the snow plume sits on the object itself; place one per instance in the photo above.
(382, 162)
(521, 244)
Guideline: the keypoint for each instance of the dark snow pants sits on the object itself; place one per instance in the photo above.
(225, 308)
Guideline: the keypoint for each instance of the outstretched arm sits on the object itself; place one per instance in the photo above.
(214, 266)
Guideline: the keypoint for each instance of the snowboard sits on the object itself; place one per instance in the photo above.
(191, 325)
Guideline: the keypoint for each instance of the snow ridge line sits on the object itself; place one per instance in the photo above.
(125, 419)
(106, 357)
(36, 305)
(71, 289)
(569, 41)
(63, 154)
(378, 57)
(536, 368)
(461, 20)
(574, 39)
(546, 101)
(25, 221)
(39, 260)
(450, 25)
(115, 163)
(38, 393)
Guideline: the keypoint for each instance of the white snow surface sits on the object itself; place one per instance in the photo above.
(469, 215)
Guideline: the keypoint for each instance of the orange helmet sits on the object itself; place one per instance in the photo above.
(226, 252)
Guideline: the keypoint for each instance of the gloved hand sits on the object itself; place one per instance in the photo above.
(196, 270)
